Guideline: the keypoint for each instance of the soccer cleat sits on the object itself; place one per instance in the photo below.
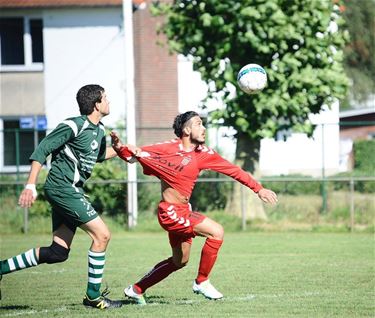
(130, 293)
(101, 302)
(207, 290)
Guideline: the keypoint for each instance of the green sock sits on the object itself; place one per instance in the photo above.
(21, 261)
(95, 271)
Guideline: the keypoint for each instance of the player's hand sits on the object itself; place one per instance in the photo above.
(267, 196)
(135, 150)
(116, 142)
(27, 198)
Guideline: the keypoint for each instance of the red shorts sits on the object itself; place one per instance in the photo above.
(179, 221)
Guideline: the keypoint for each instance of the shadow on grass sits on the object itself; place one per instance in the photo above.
(14, 307)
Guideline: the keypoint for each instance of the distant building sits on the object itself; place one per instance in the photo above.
(295, 153)
(50, 48)
(354, 125)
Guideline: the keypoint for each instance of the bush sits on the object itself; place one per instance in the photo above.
(108, 198)
(208, 196)
(364, 151)
(294, 187)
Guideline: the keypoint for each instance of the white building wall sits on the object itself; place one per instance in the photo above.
(83, 46)
(299, 154)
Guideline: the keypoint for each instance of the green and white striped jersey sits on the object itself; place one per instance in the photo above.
(76, 144)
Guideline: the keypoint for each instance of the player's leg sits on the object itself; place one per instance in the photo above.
(57, 252)
(100, 235)
(214, 234)
(77, 211)
(180, 256)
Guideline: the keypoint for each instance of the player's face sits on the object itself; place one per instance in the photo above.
(198, 131)
(104, 105)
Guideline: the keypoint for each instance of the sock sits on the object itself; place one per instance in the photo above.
(208, 258)
(21, 261)
(95, 271)
(157, 274)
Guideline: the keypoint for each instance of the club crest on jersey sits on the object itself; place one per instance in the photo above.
(185, 161)
(94, 145)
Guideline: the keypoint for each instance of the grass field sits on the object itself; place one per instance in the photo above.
(260, 274)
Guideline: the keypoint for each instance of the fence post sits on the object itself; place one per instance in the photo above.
(351, 182)
(243, 209)
(323, 189)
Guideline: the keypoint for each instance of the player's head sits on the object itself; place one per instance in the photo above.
(88, 96)
(190, 125)
(180, 122)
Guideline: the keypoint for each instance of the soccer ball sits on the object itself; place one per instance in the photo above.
(252, 78)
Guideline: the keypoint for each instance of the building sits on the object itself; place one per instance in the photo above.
(296, 153)
(50, 48)
(355, 125)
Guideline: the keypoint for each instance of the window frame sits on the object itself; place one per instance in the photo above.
(36, 140)
(29, 65)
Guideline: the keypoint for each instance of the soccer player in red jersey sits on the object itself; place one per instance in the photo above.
(177, 163)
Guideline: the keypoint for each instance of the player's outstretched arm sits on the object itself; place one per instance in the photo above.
(116, 142)
(267, 196)
(29, 194)
(110, 153)
(126, 152)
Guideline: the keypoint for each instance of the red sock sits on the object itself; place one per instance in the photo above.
(208, 258)
(157, 274)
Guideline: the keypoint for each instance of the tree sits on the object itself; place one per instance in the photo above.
(360, 51)
(298, 42)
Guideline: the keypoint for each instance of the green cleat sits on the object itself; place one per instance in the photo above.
(101, 302)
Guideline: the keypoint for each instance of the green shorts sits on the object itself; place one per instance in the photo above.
(70, 208)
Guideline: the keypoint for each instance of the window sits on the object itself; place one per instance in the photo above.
(19, 143)
(36, 32)
(21, 41)
(11, 33)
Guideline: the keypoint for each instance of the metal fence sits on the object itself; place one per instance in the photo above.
(358, 209)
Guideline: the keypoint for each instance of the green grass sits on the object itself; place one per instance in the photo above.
(260, 274)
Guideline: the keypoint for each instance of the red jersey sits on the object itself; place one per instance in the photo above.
(180, 168)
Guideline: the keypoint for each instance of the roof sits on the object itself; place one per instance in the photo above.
(357, 112)
(23, 4)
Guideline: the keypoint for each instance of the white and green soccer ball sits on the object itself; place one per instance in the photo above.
(252, 78)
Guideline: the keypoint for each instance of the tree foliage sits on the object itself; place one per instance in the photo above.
(360, 51)
(293, 40)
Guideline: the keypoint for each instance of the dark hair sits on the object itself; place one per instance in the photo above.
(180, 120)
(87, 96)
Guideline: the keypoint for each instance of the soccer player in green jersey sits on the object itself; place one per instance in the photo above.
(76, 144)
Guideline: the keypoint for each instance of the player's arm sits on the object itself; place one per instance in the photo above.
(125, 152)
(56, 139)
(29, 194)
(214, 161)
(110, 153)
